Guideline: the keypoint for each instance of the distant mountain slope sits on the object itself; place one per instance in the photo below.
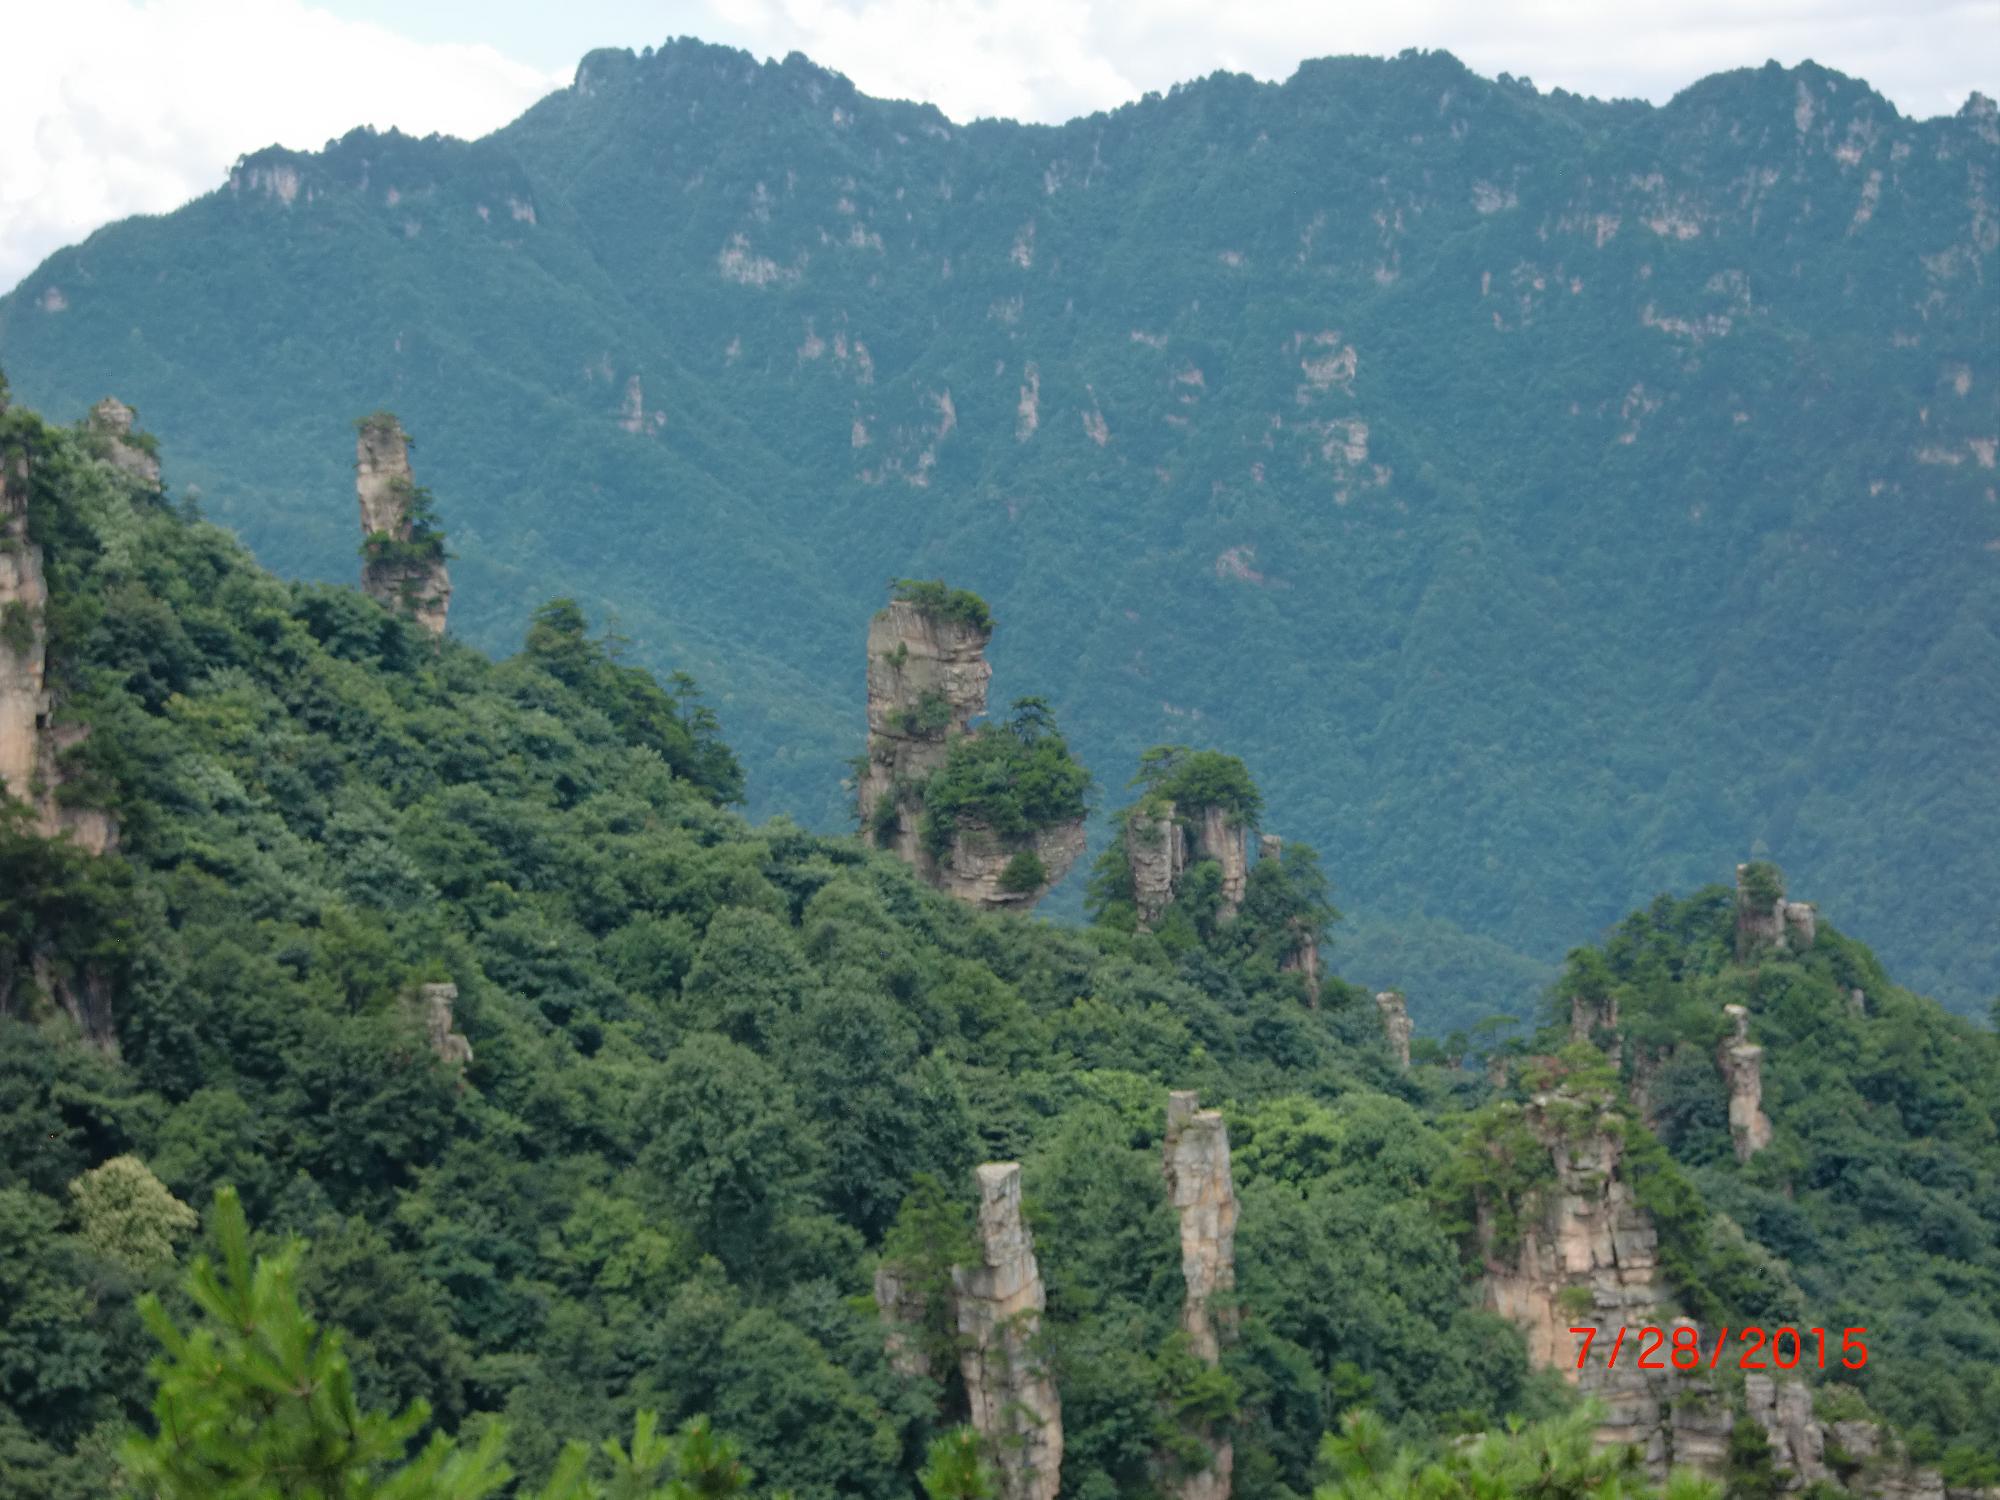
(1551, 500)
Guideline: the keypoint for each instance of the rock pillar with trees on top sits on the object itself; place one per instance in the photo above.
(402, 548)
(1204, 1199)
(1008, 1387)
(109, 430)
(1765, 921)
(990, 814)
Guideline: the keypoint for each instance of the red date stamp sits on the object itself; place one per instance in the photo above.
(1680, 1348)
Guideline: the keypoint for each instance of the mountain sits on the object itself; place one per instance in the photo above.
(593, 1098)
(1550, 499)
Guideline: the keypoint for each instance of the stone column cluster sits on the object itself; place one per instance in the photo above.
(385, 486)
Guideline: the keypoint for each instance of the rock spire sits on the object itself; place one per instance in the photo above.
(1765, 920)
(1204, 1198)
(110, 428)
(927, 681)
(1742, 1064)
(1007, 1383)
(403, 563)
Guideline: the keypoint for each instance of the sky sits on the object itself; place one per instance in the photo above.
(136, 106)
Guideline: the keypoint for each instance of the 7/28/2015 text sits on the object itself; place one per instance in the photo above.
(1763, 1349)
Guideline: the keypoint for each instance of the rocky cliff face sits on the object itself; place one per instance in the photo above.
(927, 678)
(1204, 1198)
(1156, 849)
(902, 1308)
(1766, 921)
(1587, 1257)
(1742, 1064)
(110, 425)
(412, 585)
(1802, 1447)
(1224, 840)
(1007, 1385)
(1162, 840)
(1396, 1024)
(975, 866)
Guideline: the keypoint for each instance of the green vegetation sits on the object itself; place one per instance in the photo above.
(961, 606)
(1553, 1459)
(1880, 1189)
(1478, 574)
(1193, 779)
(713, 1066)
(1013, 778)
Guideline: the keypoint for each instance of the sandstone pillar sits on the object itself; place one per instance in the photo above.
(1396, 1024)
(1742, 1064)
(1204, 1198)
(1007, 1385)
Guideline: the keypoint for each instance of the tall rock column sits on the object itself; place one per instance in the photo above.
(1156, 849)
(1000, 1301)
(1396, 1024)
(1742, 1064)
(927, 677)
(403, 560)
(1204, 1198)
(1224, 840)
(24, 598)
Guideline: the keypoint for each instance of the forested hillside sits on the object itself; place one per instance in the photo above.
(696, 1080)
(1550, 500)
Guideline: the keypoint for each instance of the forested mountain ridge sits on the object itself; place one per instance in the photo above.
(695, 1081)
(1550, 499)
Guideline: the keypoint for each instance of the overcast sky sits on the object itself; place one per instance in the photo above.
(115, 107)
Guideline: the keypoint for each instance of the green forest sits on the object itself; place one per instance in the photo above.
(1551, 500)
(711, 1073)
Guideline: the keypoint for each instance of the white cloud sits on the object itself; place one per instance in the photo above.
(115, 107)
(1054, 59)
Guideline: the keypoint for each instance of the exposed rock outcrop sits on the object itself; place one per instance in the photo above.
(440, 1030)
(1587, 1257)
(1802, 1447)
(1012, 1397)
(1224, 840)
(1589, 1016)
(110, 426)
(1742, 1064)
(974, 868)
(1765, 920)
(1156, 849)
(1303, 960)
(1204, 1198)
(927, 679)
(401, 568)
(1396, 1024)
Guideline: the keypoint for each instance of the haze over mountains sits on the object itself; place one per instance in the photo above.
(1552, 501)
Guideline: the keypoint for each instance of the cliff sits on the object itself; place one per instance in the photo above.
(1587, 1256)
(1000, 1301)
(403, 564)
(1163, 837)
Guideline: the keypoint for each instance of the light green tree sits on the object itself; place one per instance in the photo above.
(128, 1215)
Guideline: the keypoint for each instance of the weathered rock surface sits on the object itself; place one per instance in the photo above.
(1396, 1024)
(385, 486)
(1783, 1407)
(110, 424)
(1589, 1015)
(1204, 1198)
(1224, 840)
(1781, 926)
(440, 1029)
(1156, 849)
(1742, 1064)
(1012, 1397)
(1587, 1257)
(927, 679)
(973, 867)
